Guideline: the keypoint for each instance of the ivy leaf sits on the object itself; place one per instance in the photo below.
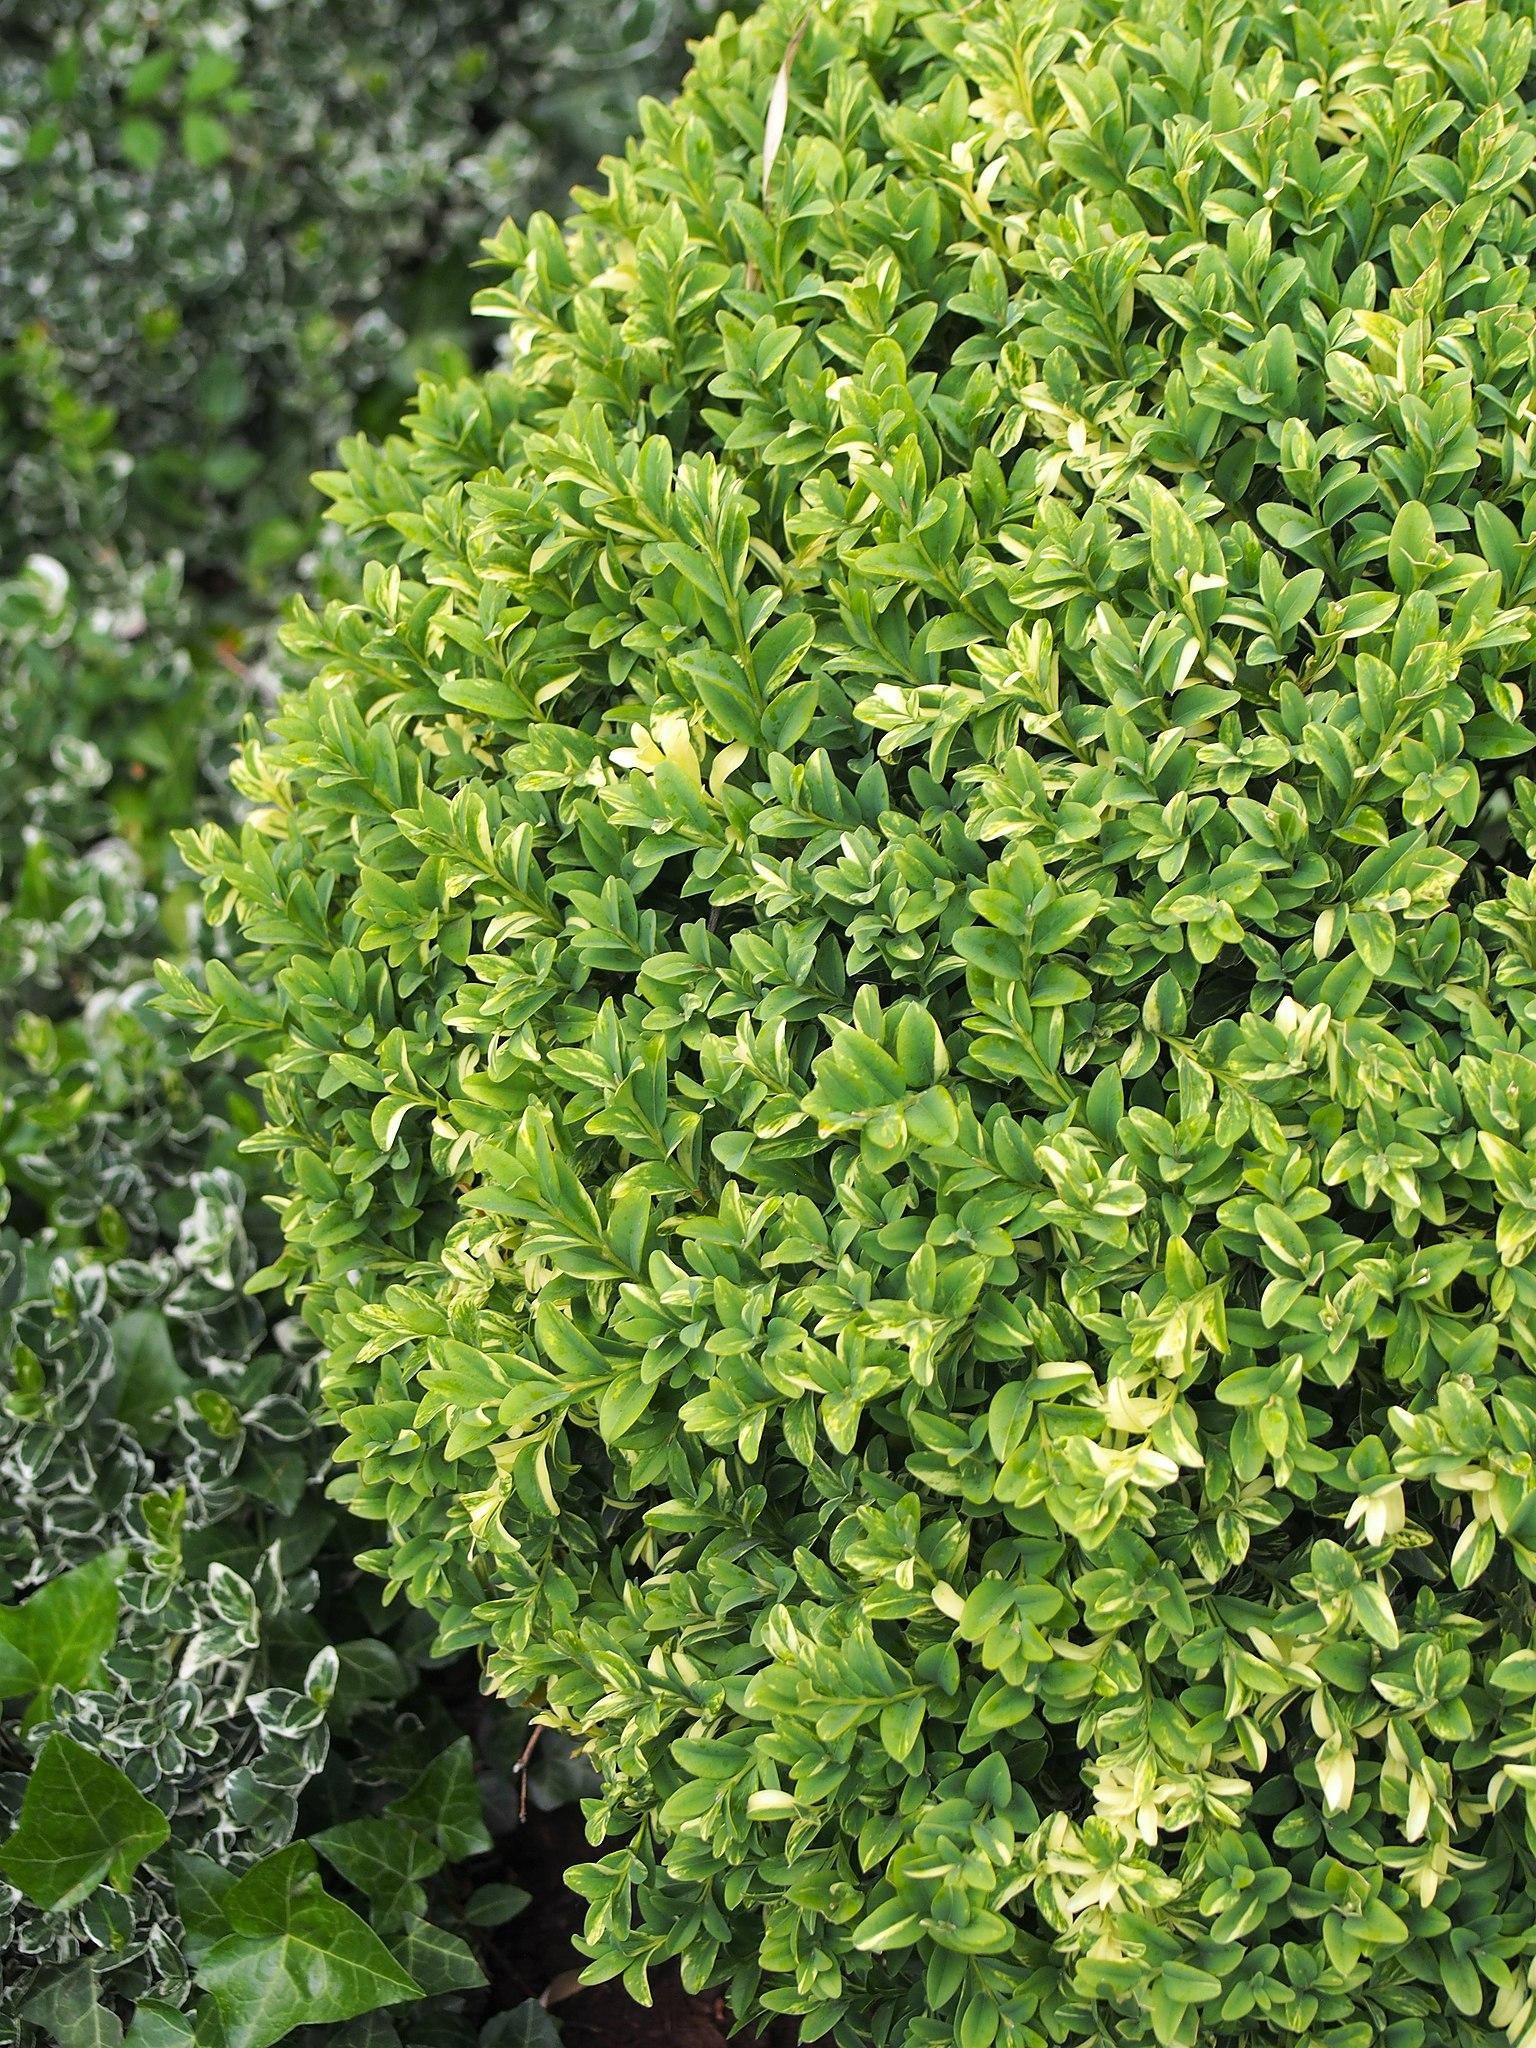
(439, 1961)
(18, 1674)
(158, 2025)
(295, 1956)
(82, 1820)
(384, 1858)
(61, 1633)
(71, 2012)
(444, 1804)
(493, 1904)
(527, 2026)
(201, 1889)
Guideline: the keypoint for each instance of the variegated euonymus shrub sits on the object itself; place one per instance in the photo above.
(895, 952)
(226, 225)
(227, 221)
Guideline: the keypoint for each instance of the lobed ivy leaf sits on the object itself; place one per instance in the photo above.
(444, 1804)
(439, 1961)
(527, 2025)
(59, 1634)
(82, 1821)
(158, 2025)
(294, 1956)
(384, 1859)
(70, 2010)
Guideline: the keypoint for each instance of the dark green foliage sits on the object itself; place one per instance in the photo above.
(162, 1529)
(526, 2026)
(229, 230)
(294, 1954)
(226, 220)
(895, 957)
(81, 1820)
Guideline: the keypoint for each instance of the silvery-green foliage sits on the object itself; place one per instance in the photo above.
(226, 220)
(229, 227)
(894, 952)
(157, 1440)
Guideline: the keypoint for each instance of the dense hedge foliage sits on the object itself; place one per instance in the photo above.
(222, 223)
(894, 952)
(226, 220)
(163, 1532)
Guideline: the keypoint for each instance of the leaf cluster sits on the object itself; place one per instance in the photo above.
(229, 230)
(229, 223)
(185, 1667)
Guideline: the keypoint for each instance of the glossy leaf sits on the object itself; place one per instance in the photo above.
(82, 1822)
(294, 1956)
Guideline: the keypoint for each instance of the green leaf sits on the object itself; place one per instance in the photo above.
(142, 141)
(1189, 1986)
(205, 139)
(212, 72)
(18, 1674)
(439, 1961)
(149, 76)
(62, 1632)
(82, 1820)
(895, 1924)
(384, 1858)
(1374, 1613)
(444, 1804)
(1516, 1674)
(525, 2026)
(491, 1905)
(158, 2025)
(295, 1956)
(69, 2009)
(1412, 548)
(201, 1888)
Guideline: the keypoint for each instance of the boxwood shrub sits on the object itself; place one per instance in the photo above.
(894, 950)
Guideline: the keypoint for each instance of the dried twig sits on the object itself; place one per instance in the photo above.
(520, 1771)
(778, 103)
(566, 1985)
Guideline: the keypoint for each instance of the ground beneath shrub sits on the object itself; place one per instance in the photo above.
(533, 1955)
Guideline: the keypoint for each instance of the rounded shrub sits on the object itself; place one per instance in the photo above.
(896, 963)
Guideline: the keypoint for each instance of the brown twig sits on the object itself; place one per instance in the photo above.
(520, 1772)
